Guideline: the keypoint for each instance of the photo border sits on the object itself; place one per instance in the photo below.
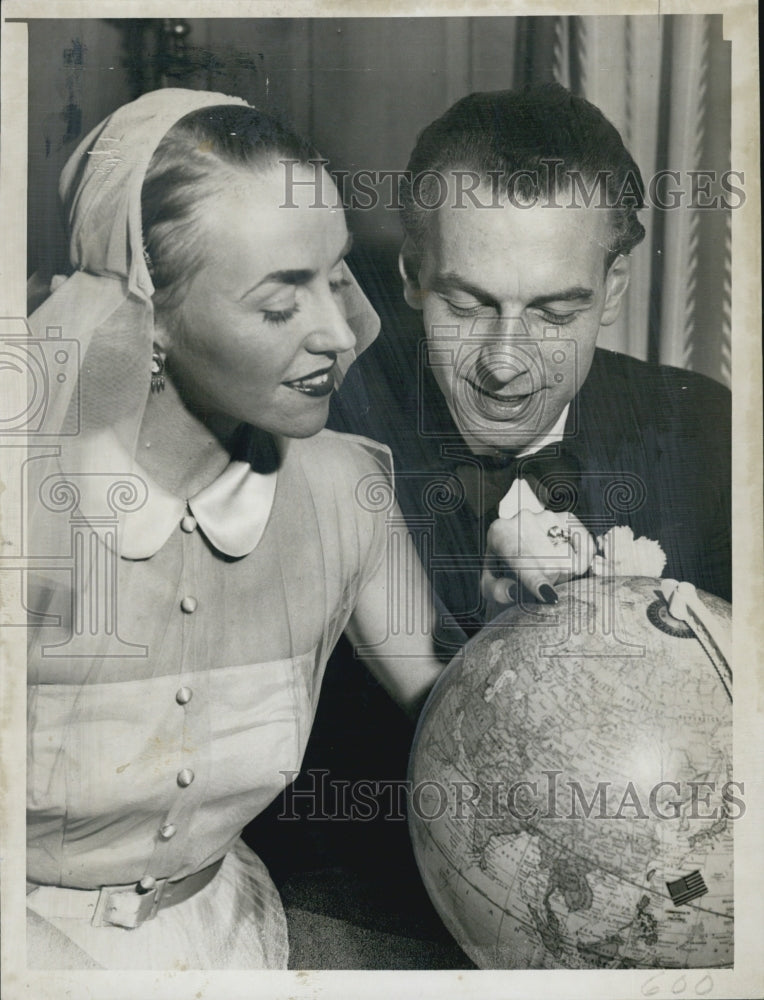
(747, 977)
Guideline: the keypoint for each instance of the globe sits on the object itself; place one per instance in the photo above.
(571, 789)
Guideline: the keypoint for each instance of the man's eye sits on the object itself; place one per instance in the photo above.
(557, 319)
(463, 308)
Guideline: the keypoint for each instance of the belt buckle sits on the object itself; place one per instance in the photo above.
(127, 906)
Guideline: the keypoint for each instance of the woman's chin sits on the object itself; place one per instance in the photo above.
(304, 427)
(303, 433)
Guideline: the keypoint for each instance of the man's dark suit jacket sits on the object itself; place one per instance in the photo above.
(645, 445)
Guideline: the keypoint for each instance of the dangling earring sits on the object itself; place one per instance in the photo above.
(157, 372)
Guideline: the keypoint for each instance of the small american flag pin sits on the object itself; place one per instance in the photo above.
(682, 890)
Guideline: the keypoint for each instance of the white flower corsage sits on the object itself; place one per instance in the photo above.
(621, 554)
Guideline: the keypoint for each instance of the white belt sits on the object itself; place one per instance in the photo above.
(118, 905)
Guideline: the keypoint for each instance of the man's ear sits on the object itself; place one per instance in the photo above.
(616, 283)
(412, 292)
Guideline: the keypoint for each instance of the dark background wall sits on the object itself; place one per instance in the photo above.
(360, 88)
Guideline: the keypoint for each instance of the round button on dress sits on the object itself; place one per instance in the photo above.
(184, 695)
(188, 524)
(168, 831)
(185, 777)
(189, 605)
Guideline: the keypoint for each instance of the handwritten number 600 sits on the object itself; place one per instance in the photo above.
(704, 986)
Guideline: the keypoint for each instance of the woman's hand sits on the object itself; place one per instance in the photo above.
(539, 549)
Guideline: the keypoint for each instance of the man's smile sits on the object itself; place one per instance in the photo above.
(503, 404)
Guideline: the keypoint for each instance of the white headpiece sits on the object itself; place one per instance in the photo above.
(103, 312)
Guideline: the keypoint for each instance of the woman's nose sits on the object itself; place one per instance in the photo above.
(331, 333)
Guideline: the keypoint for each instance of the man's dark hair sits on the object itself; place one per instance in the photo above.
(530, 144)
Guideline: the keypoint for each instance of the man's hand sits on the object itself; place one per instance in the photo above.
(539, 549)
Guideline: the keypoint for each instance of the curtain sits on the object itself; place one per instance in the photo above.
(664, 82)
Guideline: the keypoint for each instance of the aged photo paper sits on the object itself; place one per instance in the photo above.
(361, 80)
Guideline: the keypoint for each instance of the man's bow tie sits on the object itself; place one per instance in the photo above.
(552, 472)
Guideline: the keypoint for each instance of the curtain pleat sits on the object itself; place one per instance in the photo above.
(689, 65)
(664, 83)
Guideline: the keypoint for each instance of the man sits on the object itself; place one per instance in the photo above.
(523, 443)
(496, 401)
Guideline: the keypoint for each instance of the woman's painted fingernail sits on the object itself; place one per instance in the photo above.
(548, 594)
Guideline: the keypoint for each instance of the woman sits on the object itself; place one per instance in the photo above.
(203, 542)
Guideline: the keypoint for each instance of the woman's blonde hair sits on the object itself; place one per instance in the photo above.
(193, 163)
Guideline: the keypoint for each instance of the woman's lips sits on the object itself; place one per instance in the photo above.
(319, 383)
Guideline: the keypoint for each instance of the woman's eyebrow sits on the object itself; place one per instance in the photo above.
(297, 276)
